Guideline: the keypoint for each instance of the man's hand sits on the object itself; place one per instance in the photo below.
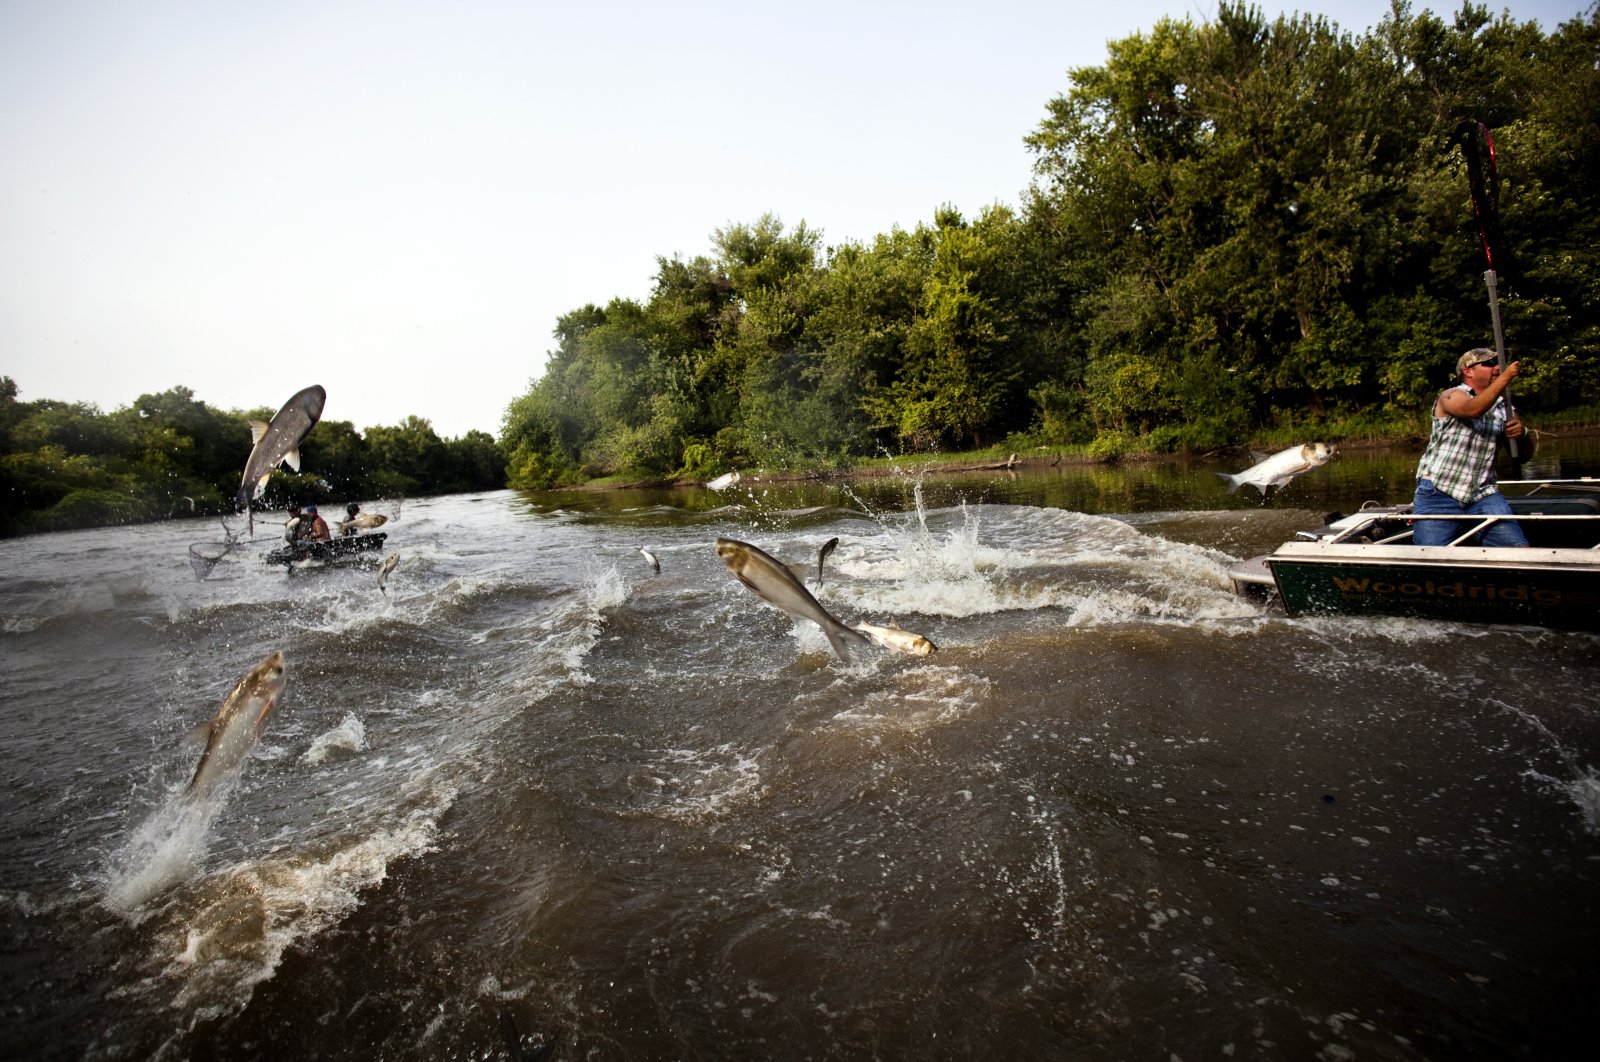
(1514, 428)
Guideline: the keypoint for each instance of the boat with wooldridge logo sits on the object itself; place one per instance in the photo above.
(1366, 564)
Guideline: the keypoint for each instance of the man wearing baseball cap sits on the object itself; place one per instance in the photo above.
(1456, 474)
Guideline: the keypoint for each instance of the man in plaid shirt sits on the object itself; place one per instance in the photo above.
(1456, 474)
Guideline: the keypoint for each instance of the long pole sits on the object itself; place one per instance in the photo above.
(1492, 282)
(1477, 146)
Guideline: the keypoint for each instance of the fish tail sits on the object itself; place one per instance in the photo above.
(840, 637)
(1230, 480)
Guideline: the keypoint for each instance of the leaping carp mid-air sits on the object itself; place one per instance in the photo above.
(278, 442)
(776, 585)
(236, 730)
(389, 564)
(1280, 468)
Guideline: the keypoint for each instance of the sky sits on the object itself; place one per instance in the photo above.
(398, 200)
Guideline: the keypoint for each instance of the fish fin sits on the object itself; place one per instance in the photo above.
(258, 428)
(1230, 480)
(840, 649)
(201, 734)
(839, 637)
(266, 712)
(261, 484)
(292, 459)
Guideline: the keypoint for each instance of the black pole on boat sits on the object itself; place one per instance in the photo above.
(1478, 148)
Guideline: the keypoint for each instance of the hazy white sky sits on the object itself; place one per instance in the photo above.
(398, 199)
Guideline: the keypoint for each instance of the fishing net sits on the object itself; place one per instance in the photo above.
(203, 556)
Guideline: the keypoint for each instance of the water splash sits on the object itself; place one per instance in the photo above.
(349, 736)
(164, 850)
(1582, 784)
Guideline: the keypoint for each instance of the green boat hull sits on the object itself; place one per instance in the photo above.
(1547, 588)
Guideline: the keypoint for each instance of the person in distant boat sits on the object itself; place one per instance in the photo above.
(348, 525)
(1456, 474)
(315, 528)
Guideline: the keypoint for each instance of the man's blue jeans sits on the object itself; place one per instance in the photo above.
(1431, 502)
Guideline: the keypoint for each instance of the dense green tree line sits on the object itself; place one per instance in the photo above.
(65, 465)
(1235, 226)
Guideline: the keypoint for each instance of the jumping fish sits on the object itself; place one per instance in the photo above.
(278, 442)
(389, 564)
(901, 641)
(650, 559)
(822, 555)
(776, 585)
(724, 481)
(362, 522)
(236, 730)
(1280, 468)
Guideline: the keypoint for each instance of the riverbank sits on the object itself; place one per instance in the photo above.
(992, 460)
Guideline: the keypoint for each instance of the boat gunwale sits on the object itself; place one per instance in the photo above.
(1492, 558)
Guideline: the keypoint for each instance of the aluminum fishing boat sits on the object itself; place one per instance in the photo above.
(333, 551)
(1366, 564)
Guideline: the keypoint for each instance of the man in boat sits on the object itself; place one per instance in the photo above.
(313, 527)
(1456, 474)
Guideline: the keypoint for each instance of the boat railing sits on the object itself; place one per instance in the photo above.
(1368, 520)
(1581, 485)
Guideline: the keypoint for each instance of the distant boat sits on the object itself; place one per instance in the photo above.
(333, 551)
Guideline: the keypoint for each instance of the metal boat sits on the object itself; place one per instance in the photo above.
(333, 551)
(1366, 564)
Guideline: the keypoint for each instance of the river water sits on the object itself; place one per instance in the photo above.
(1119, 814)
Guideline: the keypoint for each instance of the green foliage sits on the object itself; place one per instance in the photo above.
(92, 508)
(1111, 446)
(168, 454)
(1235, 226)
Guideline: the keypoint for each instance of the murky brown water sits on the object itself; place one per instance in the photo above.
(1119, 814)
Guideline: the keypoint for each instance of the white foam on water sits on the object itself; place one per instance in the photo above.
(920, 698)
(349, 736)
(1104, 571)
(1584, 789)
(604, 588)
(162, 851)
(696, 785)
(227, 933)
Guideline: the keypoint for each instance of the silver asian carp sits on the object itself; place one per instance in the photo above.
(389, 564)
(822, 555)
(362, 522)
(1280, 468)
(278, 442)
(901, 641)
(777, 586)
(236, 730)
